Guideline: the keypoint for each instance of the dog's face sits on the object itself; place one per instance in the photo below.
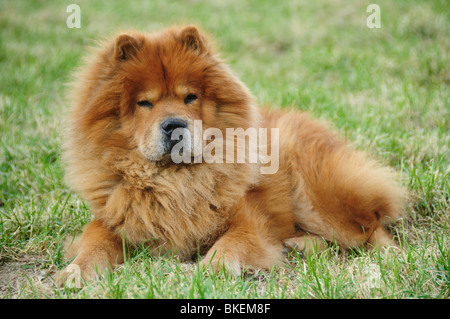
(164, 79)
(164, 118)
(146, 90)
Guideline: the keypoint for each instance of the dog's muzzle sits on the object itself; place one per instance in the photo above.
(168, 126)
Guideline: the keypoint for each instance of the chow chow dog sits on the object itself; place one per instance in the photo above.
(128, 100)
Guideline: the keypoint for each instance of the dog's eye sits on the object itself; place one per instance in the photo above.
(145, 103)
(190, 98)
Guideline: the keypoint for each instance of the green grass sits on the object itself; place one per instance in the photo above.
(385, 89)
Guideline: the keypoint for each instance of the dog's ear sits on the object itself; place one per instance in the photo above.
(192, 39)
(126, 46)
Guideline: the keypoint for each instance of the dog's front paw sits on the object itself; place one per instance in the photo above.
(75, 275)
(69, 277)
(220, 263)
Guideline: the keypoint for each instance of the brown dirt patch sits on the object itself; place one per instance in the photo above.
(25, 277)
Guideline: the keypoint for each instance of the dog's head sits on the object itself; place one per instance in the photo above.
(146, 90)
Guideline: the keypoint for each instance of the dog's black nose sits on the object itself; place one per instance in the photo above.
(172, 123)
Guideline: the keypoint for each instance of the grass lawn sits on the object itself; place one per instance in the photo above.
(385, 89)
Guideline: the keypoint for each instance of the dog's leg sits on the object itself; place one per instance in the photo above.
(97, 249)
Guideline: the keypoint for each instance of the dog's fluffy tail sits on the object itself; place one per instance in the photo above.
(361, 184)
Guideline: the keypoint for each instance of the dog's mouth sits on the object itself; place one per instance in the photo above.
(174, 153)
(165, 161)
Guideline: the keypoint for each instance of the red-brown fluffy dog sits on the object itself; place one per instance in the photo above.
(130, 97)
